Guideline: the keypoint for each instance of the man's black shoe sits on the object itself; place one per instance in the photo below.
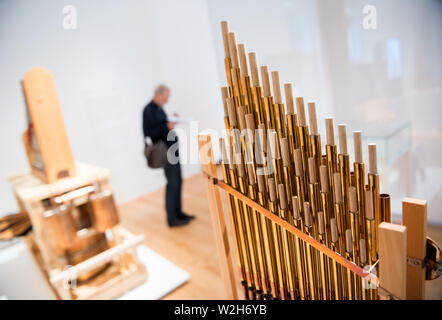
(178, 222)
(186, 216)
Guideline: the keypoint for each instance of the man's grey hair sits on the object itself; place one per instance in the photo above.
(160, 89)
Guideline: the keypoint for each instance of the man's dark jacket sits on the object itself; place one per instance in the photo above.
(155, 124)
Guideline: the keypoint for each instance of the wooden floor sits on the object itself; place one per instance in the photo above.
(192, 247)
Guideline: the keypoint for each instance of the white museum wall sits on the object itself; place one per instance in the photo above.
(105, 72)
(386, 82)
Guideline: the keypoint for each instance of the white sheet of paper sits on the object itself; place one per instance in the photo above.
(179, 120)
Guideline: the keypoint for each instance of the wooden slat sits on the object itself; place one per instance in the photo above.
(393, 258)
(414, 217)
(314, 243)
(98, 259)
(31, 189)
(216, 211)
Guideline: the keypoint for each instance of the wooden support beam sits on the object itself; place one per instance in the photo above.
(414, 217)
(47, 121)
(216, 211)
(393, 259)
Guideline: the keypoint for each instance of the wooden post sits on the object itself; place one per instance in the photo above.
(47, 120)
(414, 217)
(216, 211)
(393, 259)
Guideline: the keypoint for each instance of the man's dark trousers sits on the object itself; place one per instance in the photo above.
(173, 191)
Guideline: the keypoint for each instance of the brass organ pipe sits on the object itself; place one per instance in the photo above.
(287, 245)
(326, 206)
(267, 99)
(315, 138)
(331, 154)
(299, 250)
(326, 201)
(250, 226)
(258, 105)
(313, 192)
(229, 178)
(304, 138)
(268, 239)
(292, 119)
(259, 239)
(237, 178)
(237, 95)
(310, 254)
(244, 216)
(370, 229)
(282, 285)
(276, 157)
(241, 210)
(240, 257)
(250, 231)
(339, 212)
(323, 259)
(255, 221)
(287, 180)
(336, 270)
(256, 90)
(359, 170)
(340, 221)
(241, 230)
(256, 227)
(269, 112)
(370, 226)
(227, 59)
(332, 166)
(245, 86)
(374, 187)
(314, 200)
(339, 246)
(280, 123)
(354, 226)
(385, 207)
(228, 67)
(349, 256)
(276, 230)
(315, 141)
(279, 110)
(234, 70)
(299, 178)
(365, 292)
(287, 170)
(304, 144)
(344, 170)
(293, 131)
(248, 96)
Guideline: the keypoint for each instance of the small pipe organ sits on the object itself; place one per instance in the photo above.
(76, 238)
(306, 222)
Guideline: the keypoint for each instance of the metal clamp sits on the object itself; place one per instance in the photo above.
(433, 263)
(386, 295)
(419, 263)
(208, 176)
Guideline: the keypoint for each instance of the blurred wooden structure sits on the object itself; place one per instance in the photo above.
(76, 238)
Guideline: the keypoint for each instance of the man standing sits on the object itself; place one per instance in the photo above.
(157, 127)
